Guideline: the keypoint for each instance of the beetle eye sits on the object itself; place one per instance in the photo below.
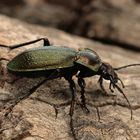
(104, 72)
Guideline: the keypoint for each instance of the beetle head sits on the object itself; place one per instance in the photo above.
(108, 73)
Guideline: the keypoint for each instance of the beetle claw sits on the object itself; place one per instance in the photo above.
(84, 107)
(110, 87)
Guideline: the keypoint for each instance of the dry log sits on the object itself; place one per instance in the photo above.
(35, 116)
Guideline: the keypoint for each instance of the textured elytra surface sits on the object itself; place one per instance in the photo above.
(35, 116)
(43, 59)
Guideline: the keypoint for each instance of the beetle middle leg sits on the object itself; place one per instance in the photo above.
(82, 85)
(11, 47)
(73, 90)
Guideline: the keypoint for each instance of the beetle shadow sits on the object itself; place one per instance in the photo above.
(98, 98)
(54, 92)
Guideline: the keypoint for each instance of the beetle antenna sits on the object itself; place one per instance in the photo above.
(120, 90)
(130, 65)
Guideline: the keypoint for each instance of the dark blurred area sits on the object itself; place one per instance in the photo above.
(107, 21)
(58, 14)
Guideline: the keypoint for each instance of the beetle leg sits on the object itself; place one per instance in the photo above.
(110, 87)
(2, 58)
(45, 43)
(82, 85)
(101, 85)
(123, 86)
(98, 114)
(73, 90)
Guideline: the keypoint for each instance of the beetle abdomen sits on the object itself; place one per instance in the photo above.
(47, 58)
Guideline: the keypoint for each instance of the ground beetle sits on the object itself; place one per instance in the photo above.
(53, 62)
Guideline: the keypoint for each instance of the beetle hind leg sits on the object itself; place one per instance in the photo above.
(82, 85)
(11, 47)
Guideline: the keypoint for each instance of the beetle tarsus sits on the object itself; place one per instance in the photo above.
(82, 85)
(110, 87)
(72, 129)
(98, 114)
(123, 86)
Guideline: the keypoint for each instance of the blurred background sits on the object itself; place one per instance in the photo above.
(107, 21)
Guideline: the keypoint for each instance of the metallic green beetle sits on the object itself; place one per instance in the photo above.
(53, 62)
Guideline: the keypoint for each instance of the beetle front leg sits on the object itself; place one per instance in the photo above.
(103, 89)
(82, 85)
(101, 85)
(45, 43)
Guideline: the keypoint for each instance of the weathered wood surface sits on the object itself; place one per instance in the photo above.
(34, 118)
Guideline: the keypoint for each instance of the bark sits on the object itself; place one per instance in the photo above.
(29, 112)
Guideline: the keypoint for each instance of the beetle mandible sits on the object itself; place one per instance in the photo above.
(53, 62)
